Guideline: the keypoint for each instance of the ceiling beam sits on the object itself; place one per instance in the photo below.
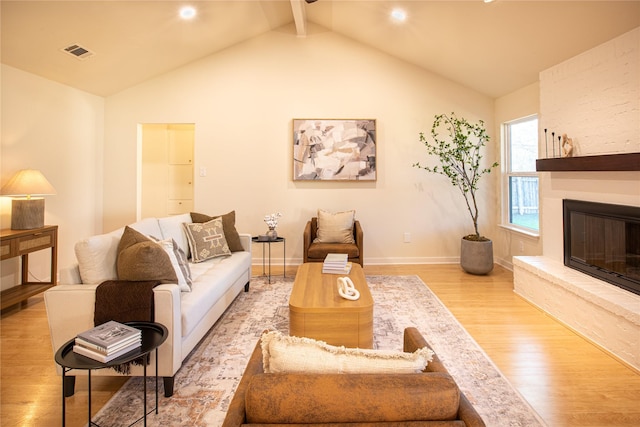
(299, 17)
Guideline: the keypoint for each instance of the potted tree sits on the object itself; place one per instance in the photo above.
(459, 152)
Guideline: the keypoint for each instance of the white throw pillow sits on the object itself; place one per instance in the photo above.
(283, 353)
(171, 227)
(148, 227)
(97, 255)
(335, 227)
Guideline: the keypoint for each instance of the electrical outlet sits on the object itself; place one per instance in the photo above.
(203, 171)
(521, 247)
(407, 237)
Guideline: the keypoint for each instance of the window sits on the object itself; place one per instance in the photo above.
(520, 180)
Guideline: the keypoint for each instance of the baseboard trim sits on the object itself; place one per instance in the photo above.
(371, 261)
(388, 261)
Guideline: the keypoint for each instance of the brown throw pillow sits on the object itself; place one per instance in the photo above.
(228, 227)
(140, 258)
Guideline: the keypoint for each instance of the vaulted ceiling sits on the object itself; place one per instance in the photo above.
(494, 48)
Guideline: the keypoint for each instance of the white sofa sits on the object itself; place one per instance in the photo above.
(187, 315)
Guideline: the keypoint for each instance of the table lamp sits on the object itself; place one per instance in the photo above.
(27, 212)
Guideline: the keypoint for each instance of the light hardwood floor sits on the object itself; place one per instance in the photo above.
(569, 381)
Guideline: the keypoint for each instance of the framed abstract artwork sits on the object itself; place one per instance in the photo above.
(334, 149)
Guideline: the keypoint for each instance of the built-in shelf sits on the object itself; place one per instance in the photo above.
(605, 162)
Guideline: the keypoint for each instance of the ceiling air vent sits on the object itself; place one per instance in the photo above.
(78, 51)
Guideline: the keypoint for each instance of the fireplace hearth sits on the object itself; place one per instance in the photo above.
(603, 240)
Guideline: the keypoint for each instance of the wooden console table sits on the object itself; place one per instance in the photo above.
(21, 243)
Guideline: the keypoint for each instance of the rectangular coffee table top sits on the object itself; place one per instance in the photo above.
(315, 292)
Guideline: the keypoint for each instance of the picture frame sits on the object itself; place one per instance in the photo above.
(334, 150)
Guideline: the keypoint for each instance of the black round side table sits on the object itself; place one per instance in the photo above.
(153, 335)
(257, 239)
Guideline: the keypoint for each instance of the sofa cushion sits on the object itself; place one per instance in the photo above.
(96, 257)
(211, 281)
(207, 240)
(140, 258)
(356, 398)
(335, 227)
(171, 228)
(283, 353)
(320, 250)
(228, 225)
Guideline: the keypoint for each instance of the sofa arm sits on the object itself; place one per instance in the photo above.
(414, 340)
(245, 240)
(306, 241)
(358, 235)
(69, 275)
(70, 310)
(168, 311)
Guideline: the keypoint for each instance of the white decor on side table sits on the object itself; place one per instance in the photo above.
(272, 223)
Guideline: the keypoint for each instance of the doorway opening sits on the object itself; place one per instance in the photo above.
(166, 169)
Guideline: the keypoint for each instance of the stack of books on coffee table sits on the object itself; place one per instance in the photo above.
(108, 341)
(336, 264)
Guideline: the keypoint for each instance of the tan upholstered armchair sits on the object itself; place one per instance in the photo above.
(316, 252)
(429, 398)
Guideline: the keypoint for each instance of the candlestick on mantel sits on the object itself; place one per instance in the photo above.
(546, 144)
(559, 146)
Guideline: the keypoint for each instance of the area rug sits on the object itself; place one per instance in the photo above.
(208, 378)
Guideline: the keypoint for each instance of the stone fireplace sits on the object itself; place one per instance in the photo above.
(594, 98)
(607, 315)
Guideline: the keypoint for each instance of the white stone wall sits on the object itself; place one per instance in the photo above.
(595, 98)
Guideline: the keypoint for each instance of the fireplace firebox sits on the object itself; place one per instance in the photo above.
(603, 240)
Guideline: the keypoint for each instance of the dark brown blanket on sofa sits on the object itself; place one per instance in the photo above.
(124, 301)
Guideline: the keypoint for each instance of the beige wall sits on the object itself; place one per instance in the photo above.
(58, 130)
(242, 102)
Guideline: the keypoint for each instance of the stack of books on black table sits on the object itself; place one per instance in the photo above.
(108, 341)
(336, 264)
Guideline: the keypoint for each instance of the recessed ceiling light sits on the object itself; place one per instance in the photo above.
(488, 1)
(399, 15)
(188, 12)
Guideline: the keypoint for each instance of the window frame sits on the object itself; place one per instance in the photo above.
(507, 174)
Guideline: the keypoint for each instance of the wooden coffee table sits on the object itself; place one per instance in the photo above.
(316, 310)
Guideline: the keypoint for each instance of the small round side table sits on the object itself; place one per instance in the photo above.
(282, 240)
(153, 335)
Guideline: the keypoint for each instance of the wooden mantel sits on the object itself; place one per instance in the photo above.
(605, 162)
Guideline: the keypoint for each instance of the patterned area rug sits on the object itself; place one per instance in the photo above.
(205, 384)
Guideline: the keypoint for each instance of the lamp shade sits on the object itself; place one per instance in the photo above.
(27, 182)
